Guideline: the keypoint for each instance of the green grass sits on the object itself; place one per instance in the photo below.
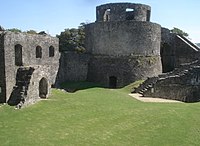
(99, 116)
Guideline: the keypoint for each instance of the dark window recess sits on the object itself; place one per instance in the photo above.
(38, 52)
(51, 51)
(129, 14)
(18, 55)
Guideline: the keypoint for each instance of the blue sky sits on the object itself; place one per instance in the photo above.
(53, 16)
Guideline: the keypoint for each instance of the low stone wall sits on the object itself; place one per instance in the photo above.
(182, 84)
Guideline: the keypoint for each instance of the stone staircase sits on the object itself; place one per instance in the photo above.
(147, 84)
(19, 93)
(176, 74)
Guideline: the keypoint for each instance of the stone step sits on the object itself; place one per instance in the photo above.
(140, 92)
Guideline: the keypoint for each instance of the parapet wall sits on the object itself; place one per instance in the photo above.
(123, 38)
(122, 12)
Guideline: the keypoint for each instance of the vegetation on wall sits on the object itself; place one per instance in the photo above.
(31, 31)
(179, 32)
(72, 39)
(144, 61)
(14, 30)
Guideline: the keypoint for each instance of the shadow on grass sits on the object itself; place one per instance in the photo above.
(75, 86)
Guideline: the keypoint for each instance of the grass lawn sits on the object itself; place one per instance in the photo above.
(99, 116)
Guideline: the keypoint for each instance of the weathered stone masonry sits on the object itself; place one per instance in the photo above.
(123, 44)
(36, 58)
(2, 70)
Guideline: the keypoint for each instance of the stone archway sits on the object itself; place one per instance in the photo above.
(43, 88)
(112, 82)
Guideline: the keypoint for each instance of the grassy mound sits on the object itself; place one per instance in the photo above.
(99, 116)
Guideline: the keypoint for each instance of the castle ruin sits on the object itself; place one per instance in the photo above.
(122, 46)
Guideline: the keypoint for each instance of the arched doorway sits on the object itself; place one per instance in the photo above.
(113, 82)
(43, 88)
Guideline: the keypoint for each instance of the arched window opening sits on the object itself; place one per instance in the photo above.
(51, 51)
(129, 14)
(112, 82)
(106, 16)
(43, 88)
(148, 15)
(38, 52)
(18, 55)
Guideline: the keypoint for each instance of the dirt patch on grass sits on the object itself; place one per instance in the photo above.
(151, 99)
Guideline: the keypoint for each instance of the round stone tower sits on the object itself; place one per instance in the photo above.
(124, 44)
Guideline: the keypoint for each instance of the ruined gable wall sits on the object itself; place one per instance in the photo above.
(176, 51)
(29, 43)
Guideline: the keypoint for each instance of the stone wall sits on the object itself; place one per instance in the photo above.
(123, 50)
(2, 70)
(123, 38)
(181, 84)
(126, 69)
(119, 12)
(176, 50)
(39, 73)
(185, 52)
(73, 67)
(184, 87)
(29, 43)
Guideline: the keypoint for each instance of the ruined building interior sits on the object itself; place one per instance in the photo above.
(122, 46)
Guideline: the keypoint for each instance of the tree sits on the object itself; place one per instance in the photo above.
(179, 32)
(31, 32)
(72, 39)
(14, 30)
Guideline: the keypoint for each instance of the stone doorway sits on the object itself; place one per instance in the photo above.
(43, 88)
(112, 82)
